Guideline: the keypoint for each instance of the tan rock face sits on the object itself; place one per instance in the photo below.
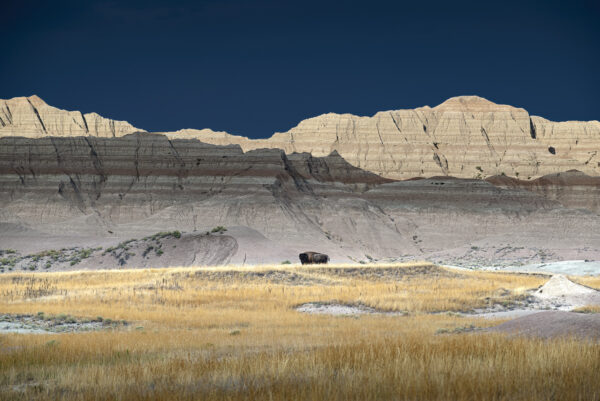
(466, 137)
(31, 117)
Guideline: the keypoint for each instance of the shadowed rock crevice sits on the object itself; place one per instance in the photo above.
(532, 129)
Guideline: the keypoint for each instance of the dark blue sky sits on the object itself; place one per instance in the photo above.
(252, 68)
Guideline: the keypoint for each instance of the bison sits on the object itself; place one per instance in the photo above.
(308, 258)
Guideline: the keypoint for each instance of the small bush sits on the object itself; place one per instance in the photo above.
(218, 229)
(286, 262)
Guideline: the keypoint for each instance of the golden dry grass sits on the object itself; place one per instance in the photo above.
(233, 333)
(588, 309)
(590, 281)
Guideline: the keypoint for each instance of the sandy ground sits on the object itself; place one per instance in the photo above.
(336, 309)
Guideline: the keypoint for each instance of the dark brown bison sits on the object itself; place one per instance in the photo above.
(308, 258)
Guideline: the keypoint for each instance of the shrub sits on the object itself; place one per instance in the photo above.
(176, 234)
(286, 262)
(148, 249)
(218, 229)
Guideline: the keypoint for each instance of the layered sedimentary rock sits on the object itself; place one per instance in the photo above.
(572, 189)
(58, 192)
(467, 136)
(327, 185)
(144, 183)
(31, 117)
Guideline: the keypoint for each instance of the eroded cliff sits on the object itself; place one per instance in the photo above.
(89, 191)
(466, 137)
(31, 117)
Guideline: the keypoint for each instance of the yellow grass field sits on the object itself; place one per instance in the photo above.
(233, 333)
(590, 281)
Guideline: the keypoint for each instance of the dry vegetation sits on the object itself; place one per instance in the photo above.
(233, 333)
(590, 281)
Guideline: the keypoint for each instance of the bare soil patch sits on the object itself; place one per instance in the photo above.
(339, 309)
(551, 324)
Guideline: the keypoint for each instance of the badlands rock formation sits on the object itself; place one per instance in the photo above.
(87, 188)
(467, 137)
(572, 189)
(88, 191)
(65, 182)
(31, 117)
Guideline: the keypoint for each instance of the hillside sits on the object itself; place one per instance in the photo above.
(465, 137)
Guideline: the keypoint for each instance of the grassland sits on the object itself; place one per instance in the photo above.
(233, 333)
(590, 281)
